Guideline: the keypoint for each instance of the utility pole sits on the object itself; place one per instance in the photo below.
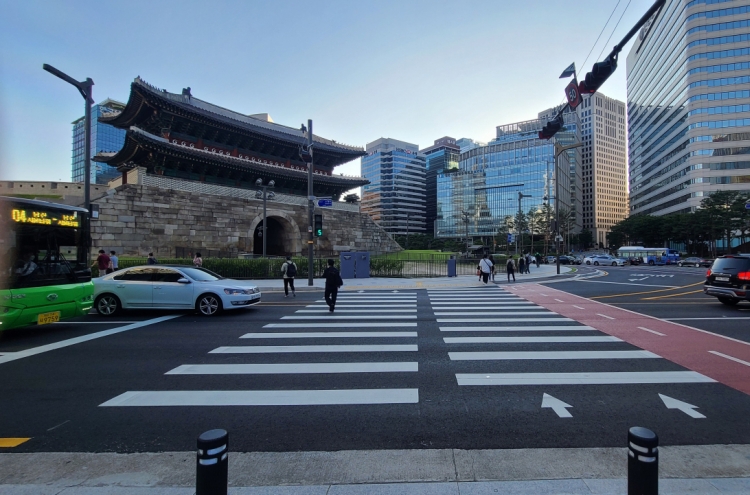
(265, 195)
(310, 204)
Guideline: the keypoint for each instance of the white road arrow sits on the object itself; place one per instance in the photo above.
(635, 279)
(556, 405)
(682, 406)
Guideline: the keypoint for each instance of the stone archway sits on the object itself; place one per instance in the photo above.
(284, 236)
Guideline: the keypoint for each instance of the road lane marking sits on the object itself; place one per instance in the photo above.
(464, 306)
(479, 303)
(556, 405)
(346, 306)
(369, 300)
(604, 378)
(292, 368)
(732, 358)
(352, 317)
(642, 292)
(559, 300)
(8, 443)
(84, 338)
(519, 329)
(652, 331)
(688, 409)
(339, 325)
(317, 335)
(605, 316)
(498, 312)
(340, 310)
(670, 295)
(715, 318)
(577, 307)
(283, 349)
(529, 340)
(667, 287)
(516, 355)
(499, 320)
(264, 397)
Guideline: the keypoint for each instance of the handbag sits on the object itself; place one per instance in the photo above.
(479, 272)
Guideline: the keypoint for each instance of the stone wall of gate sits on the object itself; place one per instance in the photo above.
(135, 219)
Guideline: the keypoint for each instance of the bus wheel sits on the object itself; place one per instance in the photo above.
(651, 263)
(107, 305)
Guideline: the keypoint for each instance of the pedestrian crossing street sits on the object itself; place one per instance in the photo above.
(379, 324)
(367, 353)
(490, 313)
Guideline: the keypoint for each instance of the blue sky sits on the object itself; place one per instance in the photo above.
(409, 69)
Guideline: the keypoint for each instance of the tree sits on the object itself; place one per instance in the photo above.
(726, 210)
(536, 222)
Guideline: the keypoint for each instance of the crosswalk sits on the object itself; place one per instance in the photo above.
(485, 316)
(329, 348)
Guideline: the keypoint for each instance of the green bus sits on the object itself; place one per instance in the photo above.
(45, 276)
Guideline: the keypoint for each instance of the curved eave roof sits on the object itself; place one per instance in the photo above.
(138, 142)
(144, 98)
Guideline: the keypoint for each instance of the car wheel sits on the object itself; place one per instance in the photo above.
(697, 265)
(208, 305)
(679, 264)
(107, 304)
(727, 301)
(588, 262)
(614, 263)
(596, 263)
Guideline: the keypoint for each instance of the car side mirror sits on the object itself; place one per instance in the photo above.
(183, 281)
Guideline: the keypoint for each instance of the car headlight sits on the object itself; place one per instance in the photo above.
(235, 292)
(256, 290)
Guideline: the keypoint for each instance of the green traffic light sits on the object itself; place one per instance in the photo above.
(319, 232)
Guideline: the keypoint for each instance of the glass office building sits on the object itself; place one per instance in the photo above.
(688, 77)
(104, 137)
(441, 157)
(481, 196)
(395, 197)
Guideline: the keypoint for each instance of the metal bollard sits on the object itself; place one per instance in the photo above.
(211, 473)
(643, 462)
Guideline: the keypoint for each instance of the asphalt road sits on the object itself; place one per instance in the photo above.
(276, 384)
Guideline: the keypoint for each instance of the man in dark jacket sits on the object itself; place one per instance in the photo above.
(333, 282)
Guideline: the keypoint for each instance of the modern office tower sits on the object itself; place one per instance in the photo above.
(688, 77)
(481, 198)
(604, 193)
(395, 196)
(466, 144)
(104, 138)
(440, 157)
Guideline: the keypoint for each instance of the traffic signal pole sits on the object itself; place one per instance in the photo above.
(310, 207)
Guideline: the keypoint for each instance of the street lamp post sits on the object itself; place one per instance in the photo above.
(85, 88)
(265, 195)
(558, 151)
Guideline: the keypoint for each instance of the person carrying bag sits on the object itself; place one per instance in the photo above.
(289, 271)
(485, 268)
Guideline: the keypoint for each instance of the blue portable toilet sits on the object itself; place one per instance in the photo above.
(347, 261)
(362, 265)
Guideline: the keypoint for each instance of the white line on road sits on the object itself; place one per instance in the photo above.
(528, 340)
(498, 320)
(652, 331)
(346, 306)
(291, 368)
(339, 299)
(605, 316)
(84, 338)
(559, 300)
(339, 325)
(317, 335)
(604, 378)
(502, 355)
(479, 303)
(284, 349)
(577, 307)
(497, 312)
(545, 328)
(264, 397)
(340, 310)
(715, 318)
(463, 306)
(352, 317)
(625, 283)
(736, 360)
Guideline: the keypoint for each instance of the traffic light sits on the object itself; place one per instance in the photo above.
(318, 228)
(305, 152)
(551, 127)
(597, 76)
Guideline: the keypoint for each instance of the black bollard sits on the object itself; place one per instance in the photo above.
(643, 462)
(211, 472)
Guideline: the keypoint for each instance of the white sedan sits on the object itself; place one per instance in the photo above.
(171, 287)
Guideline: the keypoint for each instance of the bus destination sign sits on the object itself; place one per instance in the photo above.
(40, 217)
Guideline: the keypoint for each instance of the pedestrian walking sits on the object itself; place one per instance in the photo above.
(521, 265)
(198, 260)
(288, 272)
(485, 267)
(511, 269)
(102, 262)
(528, 264)
(333, 282)
(114, 262)
(151, 260)
(492, 275)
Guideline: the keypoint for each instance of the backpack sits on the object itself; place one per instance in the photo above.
(291, 270)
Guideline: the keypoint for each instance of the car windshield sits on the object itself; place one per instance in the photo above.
(201, 274)
(731, 265)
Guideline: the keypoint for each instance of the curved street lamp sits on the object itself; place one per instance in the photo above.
(265, 195)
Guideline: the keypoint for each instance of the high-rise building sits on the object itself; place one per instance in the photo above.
(604, 187)
(466, 144)
(440, 157)
(104, 138)
(395, 196)
(688, 76)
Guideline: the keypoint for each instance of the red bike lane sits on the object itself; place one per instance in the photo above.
(724, 359)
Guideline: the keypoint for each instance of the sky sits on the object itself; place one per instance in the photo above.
(413, 70)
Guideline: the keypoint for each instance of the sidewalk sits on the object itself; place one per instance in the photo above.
(382, 283)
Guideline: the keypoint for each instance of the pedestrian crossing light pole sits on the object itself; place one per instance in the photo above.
(306, 153)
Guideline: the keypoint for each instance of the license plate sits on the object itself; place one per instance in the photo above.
(722, 279)
(45, 318)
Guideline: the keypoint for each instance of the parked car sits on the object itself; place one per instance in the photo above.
(171, 287)
(550, 259)
(567, 260)
(618, 262)
(598, 259)
(728, 279)
(635, 260)
(696, 262)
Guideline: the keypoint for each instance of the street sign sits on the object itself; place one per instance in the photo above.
(325, 202)
(558, 238)
(510, 238)
(573, 94)
(747, 205)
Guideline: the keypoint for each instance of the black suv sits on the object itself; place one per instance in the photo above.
(729, 279)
